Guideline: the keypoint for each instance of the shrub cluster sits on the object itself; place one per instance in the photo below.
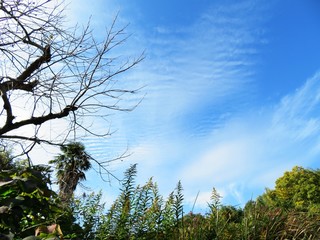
(140, 212)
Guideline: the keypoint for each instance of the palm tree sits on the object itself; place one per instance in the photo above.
(71, 165)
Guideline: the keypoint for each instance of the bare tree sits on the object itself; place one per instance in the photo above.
(51, 72)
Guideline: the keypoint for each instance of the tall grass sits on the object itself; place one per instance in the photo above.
(140, 212)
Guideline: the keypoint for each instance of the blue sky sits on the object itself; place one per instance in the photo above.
(231, 93)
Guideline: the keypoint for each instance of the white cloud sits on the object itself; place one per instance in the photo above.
(241, 158)
(194, 78)
(251, 153)
(223, 162)
(194, 125)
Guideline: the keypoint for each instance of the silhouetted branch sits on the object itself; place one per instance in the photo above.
(51, 71)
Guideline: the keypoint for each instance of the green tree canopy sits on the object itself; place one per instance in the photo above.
(297, 189)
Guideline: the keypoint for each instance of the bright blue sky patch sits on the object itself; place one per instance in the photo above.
(232, 93)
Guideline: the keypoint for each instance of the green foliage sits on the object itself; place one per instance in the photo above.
(6, 161)
(140, 212)
(26, 201)
(117, 223)
(147, 210)
(178, 202)
(87, 213)
(213, 215)
(224, 222)
(196, 227)
(297, 189)
(262, 221)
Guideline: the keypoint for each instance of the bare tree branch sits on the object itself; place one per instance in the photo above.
(51, 72)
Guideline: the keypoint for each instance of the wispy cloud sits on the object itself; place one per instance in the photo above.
(249, 153)
(198, 122)
(195, 84)
(204, 66)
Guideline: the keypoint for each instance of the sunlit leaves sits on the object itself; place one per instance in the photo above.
(25, 200)
(296, 189)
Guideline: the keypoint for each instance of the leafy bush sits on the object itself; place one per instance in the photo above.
(26, 201)
(140, 212)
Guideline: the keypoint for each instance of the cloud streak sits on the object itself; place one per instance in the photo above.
(196, 85)
(210, 67)
(199, 121)
(250, 152)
